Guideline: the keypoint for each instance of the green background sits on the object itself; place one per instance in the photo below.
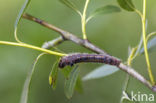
(113, 33)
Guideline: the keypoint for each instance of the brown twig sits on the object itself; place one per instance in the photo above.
(85, 43)
(136, 75)
(65, 34)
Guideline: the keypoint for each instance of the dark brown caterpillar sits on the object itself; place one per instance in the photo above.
(72, 59)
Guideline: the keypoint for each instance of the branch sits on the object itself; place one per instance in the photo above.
(136, 75)
(52, 43)
(66, 35)
(85, 43)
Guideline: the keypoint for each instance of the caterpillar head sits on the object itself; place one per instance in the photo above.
(65, 61)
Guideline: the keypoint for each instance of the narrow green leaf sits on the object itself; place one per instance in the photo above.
(66, 71)
(71, 82)
(53, 75)
(151, 46)
(104, 10)
(71, 6)
(24, 7)
(126, 4)
(78, 86)
(139, 46)
(25, 91)
(101, 72)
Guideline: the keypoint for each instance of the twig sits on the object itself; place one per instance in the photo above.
(85, 43)
(135, 74)
(52, 43)
(65, 34)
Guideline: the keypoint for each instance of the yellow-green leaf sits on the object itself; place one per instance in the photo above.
(126, 5)
(53, 75)
(104, 10)
(78, 86)
(66, 71)
(71, 6)
(71, 82)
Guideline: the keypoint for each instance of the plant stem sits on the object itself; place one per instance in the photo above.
(16, 37)
(84, 20)
(145, 43)
(66, 35)
(32, 47)
(52, 43)
(150, 35)
(130, 58)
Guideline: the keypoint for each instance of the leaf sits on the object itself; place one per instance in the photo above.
(78, 86)
(100, 72)
(53, 75)
(126, 4)
(139, 46)
(151, 46)
(25, 91)
(66, 71)
(24, 7)
(71, 6)
(104, 10)
(71, 82)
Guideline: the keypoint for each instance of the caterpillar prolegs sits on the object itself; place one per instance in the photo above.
(72, 59)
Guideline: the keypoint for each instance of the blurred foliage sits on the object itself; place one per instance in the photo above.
(123, 29)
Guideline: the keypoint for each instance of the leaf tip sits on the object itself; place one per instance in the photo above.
(50, 80)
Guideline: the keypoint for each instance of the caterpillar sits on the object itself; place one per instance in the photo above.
(72, 59)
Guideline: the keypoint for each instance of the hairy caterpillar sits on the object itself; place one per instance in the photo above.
(72, 59)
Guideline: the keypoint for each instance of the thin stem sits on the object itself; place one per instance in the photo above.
(88, 19)
(52, 43)
(150, 35)
(136, 75)
(66, 35)
(84, 20)
(138, 47)
(138, 12)
(130, 58)
(145, 43)
(32, 47)
(16, 37)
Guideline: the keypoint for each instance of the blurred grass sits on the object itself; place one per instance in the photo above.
(113, 33)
